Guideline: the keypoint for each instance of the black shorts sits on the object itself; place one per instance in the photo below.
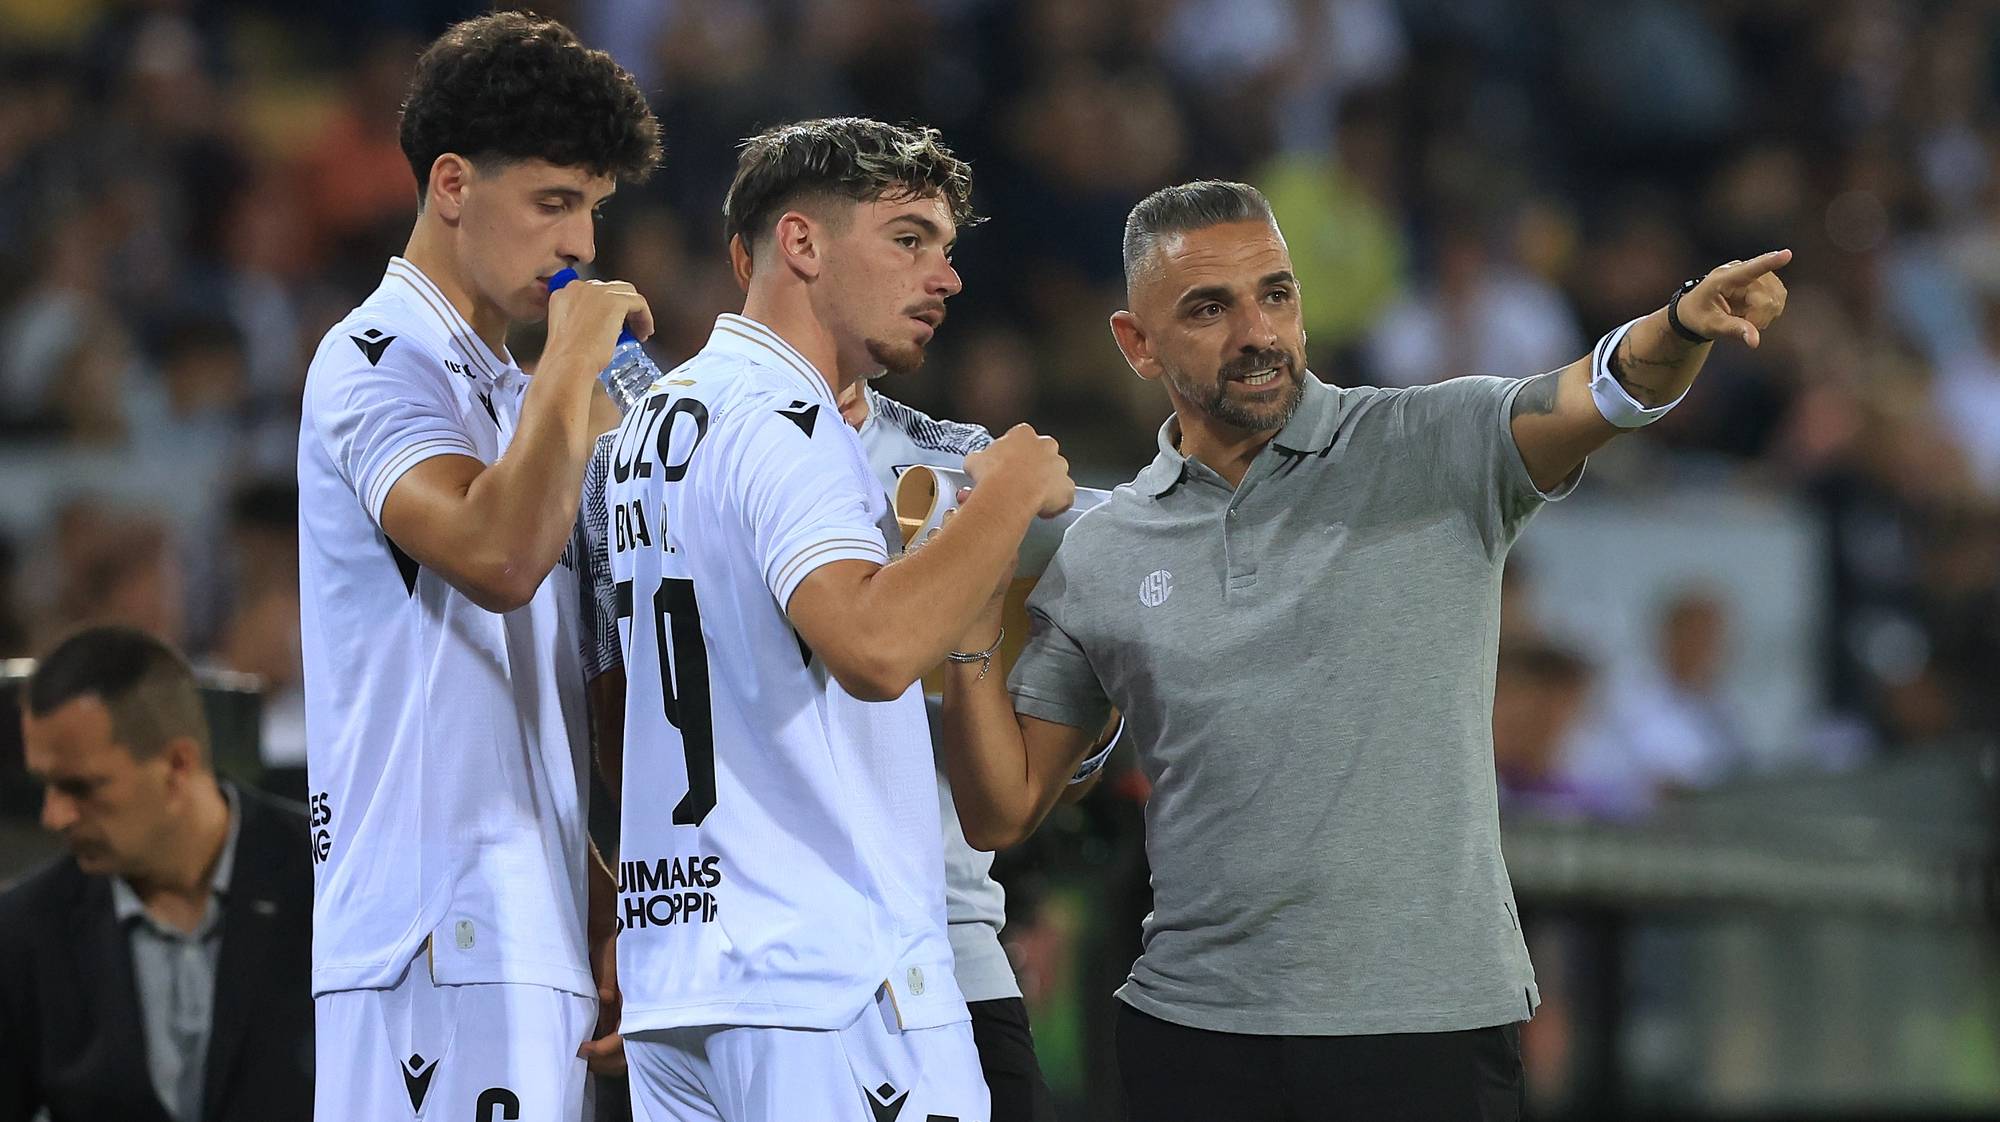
(1172, 1072)
(1007, 1056)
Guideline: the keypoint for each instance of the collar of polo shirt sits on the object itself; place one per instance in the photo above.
(1311, 432)
(747, 338)
(438, 316)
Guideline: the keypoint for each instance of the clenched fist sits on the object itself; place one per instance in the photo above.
(1025, 459)
(585, 317)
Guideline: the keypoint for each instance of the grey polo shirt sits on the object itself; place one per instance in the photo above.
(1305, 665)
(174, 972)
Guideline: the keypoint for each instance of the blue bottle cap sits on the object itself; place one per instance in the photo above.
(567, 275)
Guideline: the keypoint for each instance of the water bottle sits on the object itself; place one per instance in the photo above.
(632, 371)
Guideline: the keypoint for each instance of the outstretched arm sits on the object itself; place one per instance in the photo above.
(1557, 419)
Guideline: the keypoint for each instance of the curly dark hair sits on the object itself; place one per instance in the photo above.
(841, 157)
(515, 86)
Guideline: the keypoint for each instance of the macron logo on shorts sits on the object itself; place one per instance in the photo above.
(417, 1079)
(886, 1103)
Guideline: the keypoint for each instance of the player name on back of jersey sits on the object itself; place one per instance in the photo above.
(668, 890)
(781, 842)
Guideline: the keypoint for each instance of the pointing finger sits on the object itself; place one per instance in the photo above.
(1743, 272)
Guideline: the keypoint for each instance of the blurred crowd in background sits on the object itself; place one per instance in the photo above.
(192, 192)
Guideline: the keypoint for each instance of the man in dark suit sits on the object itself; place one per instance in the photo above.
(159, 972)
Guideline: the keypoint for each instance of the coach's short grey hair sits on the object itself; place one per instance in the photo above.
(1189, 206)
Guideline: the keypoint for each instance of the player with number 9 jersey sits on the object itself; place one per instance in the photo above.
(782, 945)
(780, 855)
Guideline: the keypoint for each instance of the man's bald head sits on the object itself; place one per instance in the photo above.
(1184, 208)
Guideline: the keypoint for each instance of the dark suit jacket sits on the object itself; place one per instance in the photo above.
(71, 1038)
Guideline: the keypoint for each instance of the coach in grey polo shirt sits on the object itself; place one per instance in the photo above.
(1338, 871)
(1296, 607)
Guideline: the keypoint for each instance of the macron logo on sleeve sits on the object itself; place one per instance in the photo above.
(372, 343)
(802, 415)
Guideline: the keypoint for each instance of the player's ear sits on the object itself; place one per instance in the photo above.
(184, 760)
(1134, 343)
(740, 262)
(797, 244)
(451, 174)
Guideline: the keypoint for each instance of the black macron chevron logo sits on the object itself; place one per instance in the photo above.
(886, 1104)
(802, 415)
(417, 1080)
(372, 343)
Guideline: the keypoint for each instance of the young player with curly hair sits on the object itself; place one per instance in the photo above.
(458, 912)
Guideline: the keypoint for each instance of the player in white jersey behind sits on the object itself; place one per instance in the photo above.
(783, 948)
(452, 969)
(896, 438)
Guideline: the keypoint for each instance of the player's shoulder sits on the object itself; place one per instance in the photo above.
(1428, 414)
(1431, 395)
(385, 315)
(382, 333)
(722, 380)
(749, 399)
(1103, 529)
(721, 408)
(925, 432)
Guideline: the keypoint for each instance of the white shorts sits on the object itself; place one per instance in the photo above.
(478, 1053)
(870, 1071)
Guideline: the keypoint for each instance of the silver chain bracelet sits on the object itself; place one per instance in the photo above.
(983, 658)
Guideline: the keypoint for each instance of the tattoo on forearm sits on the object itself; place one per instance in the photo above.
(1538, 396)
(1643, 377)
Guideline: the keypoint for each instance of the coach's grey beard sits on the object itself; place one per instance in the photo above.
(1214, 401)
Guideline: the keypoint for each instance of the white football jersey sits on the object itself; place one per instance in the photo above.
(780, 859)
(895, 438)
(446, 798)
